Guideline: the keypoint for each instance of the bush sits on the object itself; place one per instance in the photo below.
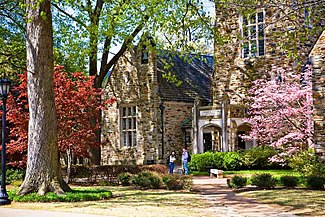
(258, 158)
(125, 179)
(75, 196)
(289, 181)
(255, 158)
(231, 161)
(307, 163)
(147, 180)
(177, 182)
(14, 175)
(315, 182)
(237, 182)
(158, 168)
(263, 180)
(200, 162)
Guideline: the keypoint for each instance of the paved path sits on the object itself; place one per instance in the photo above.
(225, 202)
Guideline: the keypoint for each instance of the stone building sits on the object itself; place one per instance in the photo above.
(152, 115)
(317, 58)
(252, 43)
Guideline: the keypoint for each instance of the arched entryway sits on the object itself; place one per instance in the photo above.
(211, 137)
(243, 130)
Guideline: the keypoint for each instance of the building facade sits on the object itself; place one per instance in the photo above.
(164, 103)
(155, 94)
(247, 46)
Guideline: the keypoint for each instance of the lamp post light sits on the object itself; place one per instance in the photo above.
(4, 91)
(162, 108)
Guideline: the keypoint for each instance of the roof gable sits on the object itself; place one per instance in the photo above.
(195, 74)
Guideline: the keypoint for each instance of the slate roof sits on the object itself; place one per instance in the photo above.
(195, 75)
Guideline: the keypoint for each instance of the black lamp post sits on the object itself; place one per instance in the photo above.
(162, 107)
(4, 91)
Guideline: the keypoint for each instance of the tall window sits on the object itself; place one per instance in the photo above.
(128, 126)
(253, 35)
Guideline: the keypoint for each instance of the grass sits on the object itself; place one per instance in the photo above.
(300, 201)
(77, 194)
(275, 173)
(127, 201)
(199, 173)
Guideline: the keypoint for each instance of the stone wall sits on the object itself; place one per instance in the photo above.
(174, 115)
(132, 84)
(317, 58)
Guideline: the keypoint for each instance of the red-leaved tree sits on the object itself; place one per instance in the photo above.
(281, 110)
(77, 104)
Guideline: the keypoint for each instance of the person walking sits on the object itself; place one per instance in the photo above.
(172, 159)
(185, 160)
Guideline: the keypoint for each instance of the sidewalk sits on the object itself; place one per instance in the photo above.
(226, 203)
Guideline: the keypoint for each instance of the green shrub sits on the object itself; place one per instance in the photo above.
(200, 162)
(75, 196)
(125, 179)
(289, 181)
(147, 180)
(217, 160)
(237, 182)
(255, 158)
(14, 174)
(315, 182)
(258, 158)
(263, 180)
(177, 182)
(231, 161)
(307, 163)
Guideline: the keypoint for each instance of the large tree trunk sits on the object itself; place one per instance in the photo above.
(43, 166)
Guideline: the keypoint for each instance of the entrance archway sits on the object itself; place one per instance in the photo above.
(211, 140)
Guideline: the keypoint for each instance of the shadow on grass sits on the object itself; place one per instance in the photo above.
(301, 201)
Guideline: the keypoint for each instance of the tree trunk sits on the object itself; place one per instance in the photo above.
(43, 167)
(69, 164)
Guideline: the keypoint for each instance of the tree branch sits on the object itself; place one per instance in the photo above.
(69, 15)
(123, 48)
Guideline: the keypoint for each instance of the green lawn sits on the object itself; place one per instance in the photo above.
(128, 201)
(300, 201)
(275, 173)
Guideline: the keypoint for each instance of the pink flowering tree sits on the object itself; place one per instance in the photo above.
(281, 110)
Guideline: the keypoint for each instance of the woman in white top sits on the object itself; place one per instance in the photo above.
(171, 159)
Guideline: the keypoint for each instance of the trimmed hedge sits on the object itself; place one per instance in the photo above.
(177, 182)
(109, 173)
(289, 181)
(315, 182)
(237, 182)
(263, 180)
(147, 180)
(255, 158)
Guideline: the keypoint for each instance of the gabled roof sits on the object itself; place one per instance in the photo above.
(195, 75)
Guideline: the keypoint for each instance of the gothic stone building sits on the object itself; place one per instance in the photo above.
(152, 115)
(254, 43)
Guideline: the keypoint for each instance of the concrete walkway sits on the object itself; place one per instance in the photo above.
(224, 202)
